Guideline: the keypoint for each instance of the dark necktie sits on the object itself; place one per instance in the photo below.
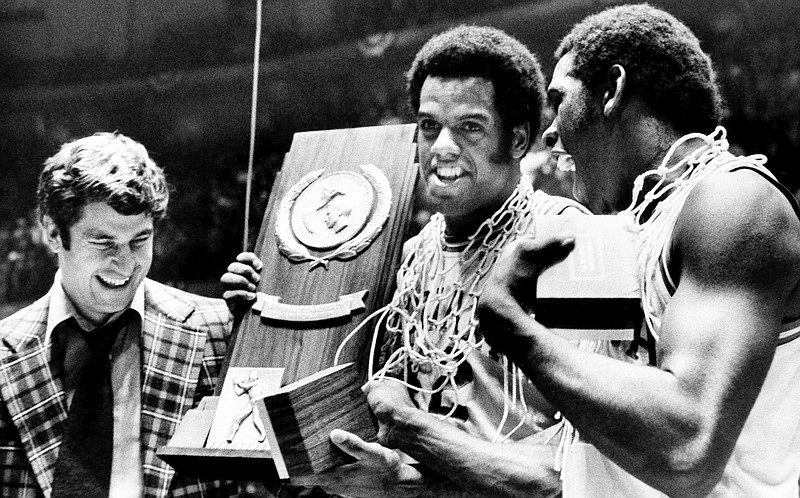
(83, 468)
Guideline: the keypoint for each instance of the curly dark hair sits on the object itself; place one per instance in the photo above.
(485, 52)
(663, 60)
(104, 167)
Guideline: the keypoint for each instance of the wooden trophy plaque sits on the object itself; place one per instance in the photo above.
(331, 241)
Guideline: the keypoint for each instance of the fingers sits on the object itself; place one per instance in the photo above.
(241, 280)
(244, 271)
(234, 297)
(510, 290)
(523, 260)
(250, 259)
(385, 385)
(543, 251)
(528, 253)
(362, 450)
(347, 442)
(238, 286)
(385, 396)
(246, 266)
(378, 471)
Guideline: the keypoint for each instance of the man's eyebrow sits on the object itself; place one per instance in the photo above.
(96, 233)
(469, 114)
(481, 116)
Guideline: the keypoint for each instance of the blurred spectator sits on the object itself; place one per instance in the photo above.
(539, 168)
(26, 264)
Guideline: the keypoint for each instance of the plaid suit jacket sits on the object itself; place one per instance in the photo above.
(183, 344)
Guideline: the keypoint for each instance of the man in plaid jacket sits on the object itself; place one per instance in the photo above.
(98, 200)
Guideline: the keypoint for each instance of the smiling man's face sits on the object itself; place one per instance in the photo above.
(463, 168)
(109, 256)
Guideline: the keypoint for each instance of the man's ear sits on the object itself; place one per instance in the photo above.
(612, 99)
(521, 137)
(52, 234)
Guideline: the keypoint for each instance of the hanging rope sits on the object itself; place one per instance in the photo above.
(253, 107)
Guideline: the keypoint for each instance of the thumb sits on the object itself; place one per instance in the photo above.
(530, 256)
(354, 445)
(371, 454)
(544, 251)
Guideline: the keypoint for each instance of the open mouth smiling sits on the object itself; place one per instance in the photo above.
(113, 282)
(448, 173)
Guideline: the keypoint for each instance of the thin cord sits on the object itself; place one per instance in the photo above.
(249, 185)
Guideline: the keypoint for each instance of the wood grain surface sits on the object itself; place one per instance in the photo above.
(304, 349)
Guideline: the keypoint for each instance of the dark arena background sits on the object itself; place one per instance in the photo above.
(177, 77)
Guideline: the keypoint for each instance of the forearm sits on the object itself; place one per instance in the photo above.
(643, 418)
(469, 463)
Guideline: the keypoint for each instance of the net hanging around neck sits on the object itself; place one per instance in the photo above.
(655, 215)
(431, 324)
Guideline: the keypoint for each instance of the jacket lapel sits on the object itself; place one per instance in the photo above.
(172, 355)
(31, 391)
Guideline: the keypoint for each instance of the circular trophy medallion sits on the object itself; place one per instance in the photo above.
(332, 210)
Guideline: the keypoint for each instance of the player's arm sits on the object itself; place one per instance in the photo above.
(673, 426)
(450, 461)
(522, 468)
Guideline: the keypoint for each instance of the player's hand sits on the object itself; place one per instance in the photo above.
(239, 283)
(515, 272)
(509, 295)
(384, 398)
(378, 471)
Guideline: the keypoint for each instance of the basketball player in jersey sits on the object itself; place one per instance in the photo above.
(719, 250)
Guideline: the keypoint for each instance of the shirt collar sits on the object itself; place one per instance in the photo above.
(62, 308)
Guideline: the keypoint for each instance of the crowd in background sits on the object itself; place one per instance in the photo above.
(27, 265)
